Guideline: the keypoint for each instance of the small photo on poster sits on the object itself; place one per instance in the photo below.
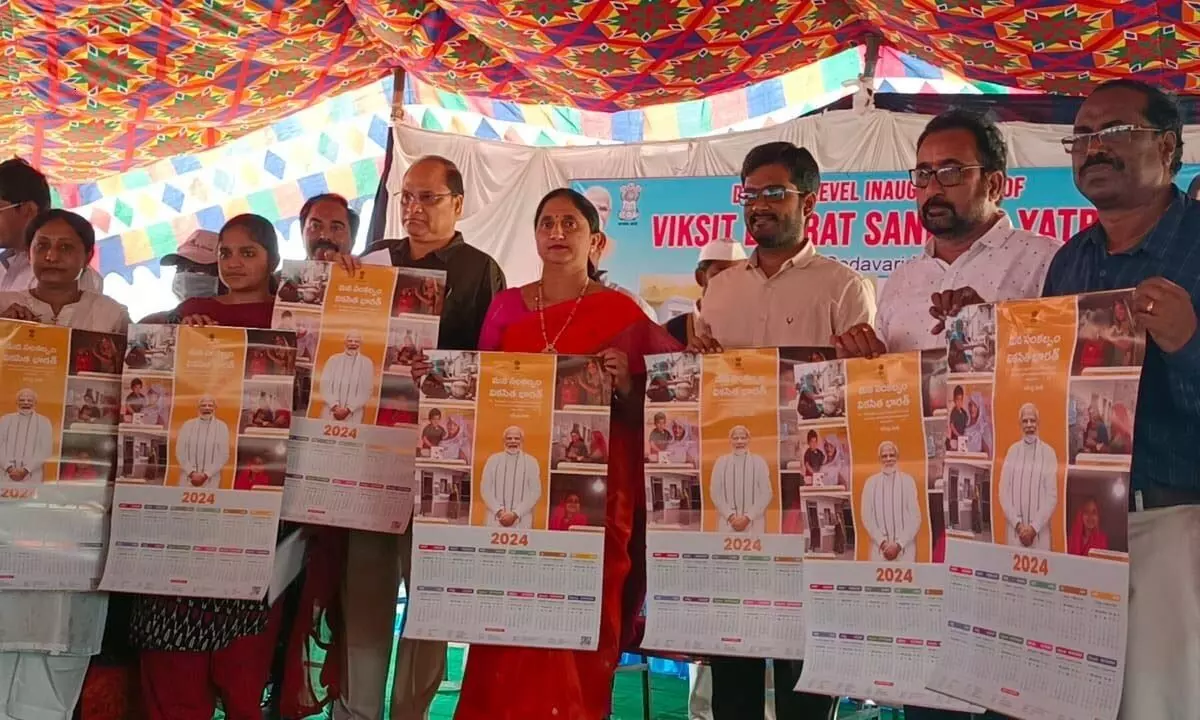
(890, 505)
(1097, 509)
(967, 501)
(579, 442)
(1110, 340)
(674, 501)
(512, 481)
(830, 524)
(397, 402)
(443, 496)
(576, 502)
(969, 422)
(87, 458)
(304, 284)
(307, 326)
(820, 391)
(93, 404)
(582, 385)
(146, 404)
(672, 439)
(935, 377)
(818, 456)
(789, 359)
(142, 457)
(452, 376)
(302, 390)
(96, 353)
(446, 437)
(266, 408)
(202, 445)
(418, 292)
(935, 450)
(793, 493)
(407, 342)
(261, 462)
(270, 354)
(151, 349)
(1100, 422)
(971, 342)
(673, 378)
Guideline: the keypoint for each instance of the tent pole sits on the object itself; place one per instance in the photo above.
(398, 77)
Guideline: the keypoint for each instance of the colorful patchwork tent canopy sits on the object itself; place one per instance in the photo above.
(93, 88)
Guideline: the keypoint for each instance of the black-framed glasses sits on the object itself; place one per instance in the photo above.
(423, 198)
(1115, 136)
(947, 176)
(771, 193)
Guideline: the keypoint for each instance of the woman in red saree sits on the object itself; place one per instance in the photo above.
(567, 311)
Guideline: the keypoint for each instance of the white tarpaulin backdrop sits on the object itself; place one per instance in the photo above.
(505, 182)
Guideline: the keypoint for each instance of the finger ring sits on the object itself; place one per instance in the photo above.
(1149, 307)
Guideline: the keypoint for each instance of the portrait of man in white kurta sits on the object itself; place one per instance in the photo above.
(741, 486)
(347, 381)
(891, 509)
(512, 483)
(202, 447)
(26, 440)
(1029, 485)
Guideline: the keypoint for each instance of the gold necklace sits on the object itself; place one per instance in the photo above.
(541, 309)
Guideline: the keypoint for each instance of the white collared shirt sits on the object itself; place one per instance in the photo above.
(810, 299)
(17, 274)
(1006, 263)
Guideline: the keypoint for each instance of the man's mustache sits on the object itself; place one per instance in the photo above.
(1102, 159)
(936, 203)
(324, 245)
(762, 216)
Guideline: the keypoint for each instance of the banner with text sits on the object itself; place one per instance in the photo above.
(508, 535)
(657, 226)
(1039, 437)
(59, 408)
(873, 594)
(730, 449)
(199, 479)
(350, 453)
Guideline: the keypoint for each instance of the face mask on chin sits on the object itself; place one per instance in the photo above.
(187, 285)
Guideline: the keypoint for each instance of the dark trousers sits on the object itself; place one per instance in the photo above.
(739, 691)
(920, 713)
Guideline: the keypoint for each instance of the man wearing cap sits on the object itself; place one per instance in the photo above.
(25, 194)
(715, 258)
(195, 263)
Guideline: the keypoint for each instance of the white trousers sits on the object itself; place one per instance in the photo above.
(375, 564)
(700, 692)
(1162, 672)
(40, 686)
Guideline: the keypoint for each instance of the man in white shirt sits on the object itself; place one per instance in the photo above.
(973, 254)
(785, 295)
(347, 382)
(202, 448)
(891, 509)
(26, 440)
(741, 486)
(512, 483)
(1029, 485)
(24, 194)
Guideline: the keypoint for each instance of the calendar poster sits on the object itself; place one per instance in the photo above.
(59, 406)
(1039, 435)
(508, 535)
(202, 443)
(350, 456)
(729, 443)
(873, 592)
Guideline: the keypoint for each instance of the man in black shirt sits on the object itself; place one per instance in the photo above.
(431, 203)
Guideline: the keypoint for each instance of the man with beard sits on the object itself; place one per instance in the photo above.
(329, 225)
(1126, 150)
(785, 295)
(431, 203)
(973, 254)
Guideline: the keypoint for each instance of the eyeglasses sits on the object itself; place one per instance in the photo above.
(1115, 136)
(947, 176)
(423, 198)
(9, 206)
(773, 193)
